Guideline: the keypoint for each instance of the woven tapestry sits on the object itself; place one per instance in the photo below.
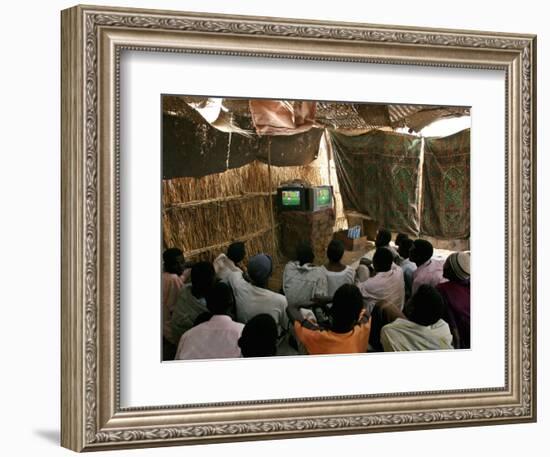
(378, 175)
(446, 186)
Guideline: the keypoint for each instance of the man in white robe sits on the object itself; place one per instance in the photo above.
(225, 264)
(254, 298)
(424, 329)
(386, 285)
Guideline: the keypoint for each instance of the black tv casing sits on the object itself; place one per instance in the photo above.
(307, 200)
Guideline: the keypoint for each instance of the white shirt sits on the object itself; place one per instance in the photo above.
(216, 338)
(384, 286)
(430, 272)
(252, 300)
(404, 335)
(302, 284)
(408, 268)
(336, 279)
(224, 266)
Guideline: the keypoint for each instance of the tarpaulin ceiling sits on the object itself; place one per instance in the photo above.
(193, 147)
(342, 116)
(203, 135)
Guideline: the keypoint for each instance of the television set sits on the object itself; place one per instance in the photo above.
(320, 197)
(292, 198)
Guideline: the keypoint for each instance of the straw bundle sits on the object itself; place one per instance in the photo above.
(214, 223)
(249, 178)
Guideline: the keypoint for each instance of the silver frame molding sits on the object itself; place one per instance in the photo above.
(92, 41)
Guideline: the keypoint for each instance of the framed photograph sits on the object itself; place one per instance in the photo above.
(212, 165)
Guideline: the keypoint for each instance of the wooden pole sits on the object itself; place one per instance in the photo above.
(273, 234)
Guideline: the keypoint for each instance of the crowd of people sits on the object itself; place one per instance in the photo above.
(399, 297)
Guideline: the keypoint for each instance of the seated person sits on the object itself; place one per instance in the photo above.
(303, 282)
(335, 271)
(192, 299)
(456, 295)
(386, 285)
(407, 265)
(217, 337)
(383, 313)
(399, 238)
(228, 263)
(348, 331)
(424, 329)
(364, 270)
(382, 240)
(172, 282)
(253, 298)
(429, 271)
(259, 337)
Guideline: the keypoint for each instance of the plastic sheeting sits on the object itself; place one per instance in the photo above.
(378, 174)
(191, 147)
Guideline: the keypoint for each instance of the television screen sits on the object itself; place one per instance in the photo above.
(322, 196)
(291, 198)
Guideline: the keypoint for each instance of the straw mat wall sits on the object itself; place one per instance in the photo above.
(202, 216)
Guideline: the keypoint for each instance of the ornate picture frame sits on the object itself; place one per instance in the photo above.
(93, 39)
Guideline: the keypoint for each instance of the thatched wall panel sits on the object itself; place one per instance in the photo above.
(211, 224)
(203, 215)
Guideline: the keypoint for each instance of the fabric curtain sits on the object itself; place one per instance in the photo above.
(446, 186)
(378, 175)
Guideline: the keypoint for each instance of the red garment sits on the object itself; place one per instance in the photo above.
(457, 297)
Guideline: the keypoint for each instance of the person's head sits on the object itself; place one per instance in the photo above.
(260, 268)
(304, 253)
(426, 306)
(399, 238)
(335, 251)
(236, 252)
(173, 261)
(405, 247)
(259, 337)
(421, 251)
(382, 260)
(383, 238)
(203, 277)
(457, 267)
(347, 304)
(220, 299)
